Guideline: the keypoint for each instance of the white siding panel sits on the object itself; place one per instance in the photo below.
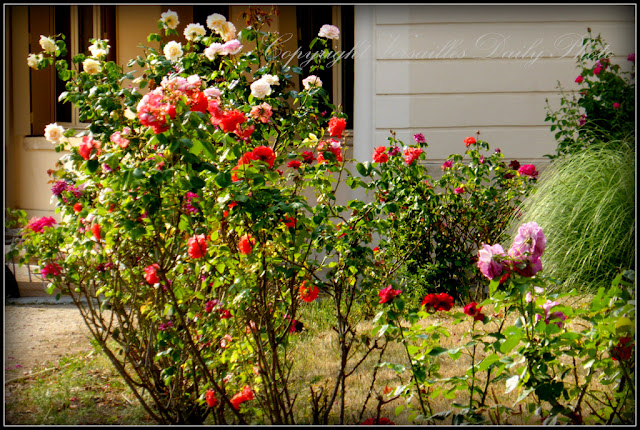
(491, 41)
(468, 110)
(522, 143)
(503, 13)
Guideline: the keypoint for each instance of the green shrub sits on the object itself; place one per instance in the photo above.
(603, 109)
(585, 204)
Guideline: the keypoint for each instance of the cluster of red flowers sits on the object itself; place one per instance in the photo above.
(332, 146)
(151, 273)
(337, 126)
(474, 311)
(380, 421)
(439, 302)
(243, 396)
(308, 294)
(388, 294)
(152, 111)
(623, 350)
(380, 155)
(411, 155)
(469, 141)
(197, 246)
(95, 231)
(260, 153)
(87, 145)
(246, 244)
(211, 398)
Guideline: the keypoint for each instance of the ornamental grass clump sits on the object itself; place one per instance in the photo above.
(586, 205)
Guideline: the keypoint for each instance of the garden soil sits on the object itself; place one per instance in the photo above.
(37, 336)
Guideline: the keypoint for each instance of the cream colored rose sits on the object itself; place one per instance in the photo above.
(227, 31)
(47, 44)
(32, 61)
(170, 19)
(329, 32)
(129, 114)
(91, 66)
(213, 50)
(215, 21)
(311, 81)
(192, 31)
(271, 80)
(173, 50)
(98, 50)
(53, 133)
(260, 89)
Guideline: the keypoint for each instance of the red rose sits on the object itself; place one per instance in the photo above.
(264, 153)
(412, 154)
(337, 126)
(294, 164)
(388, 294)
(308, 294)
(95, 230)
(211, 398)
(230, 120)
(469, 141)
(151, 274)
(246, 244)
(439, 302)
(380, 155)
(474, 311)
(528, 170)
(197, 246)
(243, 396)
(199, 102)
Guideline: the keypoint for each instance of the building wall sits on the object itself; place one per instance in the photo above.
(450, 71)
(419, 69)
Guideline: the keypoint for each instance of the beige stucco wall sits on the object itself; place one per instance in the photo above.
(449, 71)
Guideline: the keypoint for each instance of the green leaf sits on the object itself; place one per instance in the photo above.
(138, 173)
(437, 350)
(510, 343)
(223, 179)
(488, 361)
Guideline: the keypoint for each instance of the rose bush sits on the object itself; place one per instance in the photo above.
(557, 356)
(603, 109)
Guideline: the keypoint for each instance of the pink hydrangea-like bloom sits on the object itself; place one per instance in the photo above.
(528, 170)
(459, 190)
(51, 269)
(616, 105)
(583, 120)
(412, 154)
(419, 138)
(490, 260)
(529, 242)
(447, 164)
(598, 68)
(579, 79)
(38, 224)
(632, 58)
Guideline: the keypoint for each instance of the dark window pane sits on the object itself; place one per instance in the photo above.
(62, 17)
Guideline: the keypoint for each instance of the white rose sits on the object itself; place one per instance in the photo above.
(215, 21)
(311, 81)
(53, 133)
(170, 19)
(128, 113)
(271, 80)
(212, 92)
(227, 31)
(260, 89)
(97, 50)
(329, 32)
(173, 50)
(213, 50)
(192, 31)
(91, 66)
(47, 44)
(32, 61)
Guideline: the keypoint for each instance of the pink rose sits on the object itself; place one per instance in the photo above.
(528, 170)
(529, 242)
(490, 260)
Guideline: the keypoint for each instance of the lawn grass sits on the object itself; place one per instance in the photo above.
(82, 389)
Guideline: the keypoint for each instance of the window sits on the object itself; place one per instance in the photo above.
(338, 81)
(79, 24)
